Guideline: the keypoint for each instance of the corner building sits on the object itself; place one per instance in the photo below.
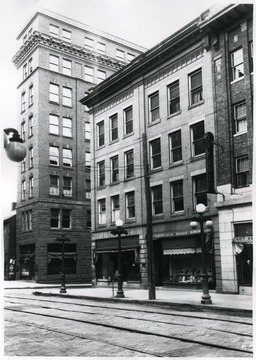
(58, 60)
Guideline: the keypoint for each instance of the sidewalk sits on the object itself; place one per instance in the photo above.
(187, 299)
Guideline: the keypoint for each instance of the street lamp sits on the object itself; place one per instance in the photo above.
(62, 239)
(201, 219)
(119, 231)
(15, 150)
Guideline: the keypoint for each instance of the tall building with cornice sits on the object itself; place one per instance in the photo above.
(58, 60)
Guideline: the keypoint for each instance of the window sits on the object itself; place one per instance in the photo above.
(67, 157)
(130, 57)
(154, 106)
(66, 69)
(30, 125)
(174, 97)
(54, 155)
(87, 188)
(240, 117)
(54, 124)
(23, 131)
(87, 160)
(102, 211)
(114, 127)
(54, 93)
(130, 205)
(197, 138)
(67, 127)
(114, 169)
(177, 200)
(88, 43)
(67, 186)
(54, 30)
(31, 157)
(242, 171)
(54, 260)
(251, 56)
(89, 219)
(155, 152)
(67, 97)
(101, 135)
(196, 87)
(25, 71)
(175, 146)
(23, 189)
(66, 35)
(237, 65)
(66, 219)
(23, 101)
(157, 200)
(120, 54)
(129, 164)
(31, 186)
(200, 190)
(101, 173)
(128, 120)
(55, 218)
(101, 47)
(54, 63)
(101, 75)
(23, 165)
(88, 74)
(87, 130)
(53, 185)
(26, 220)
(30, 65)
(115, 213)
(30, 95)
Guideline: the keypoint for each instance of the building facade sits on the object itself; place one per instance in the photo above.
(150, 121)
(58, 60)
(9, 232)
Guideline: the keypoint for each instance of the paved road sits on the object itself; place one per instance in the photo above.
(59, 326)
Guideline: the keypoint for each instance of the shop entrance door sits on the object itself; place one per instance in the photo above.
(245, 266)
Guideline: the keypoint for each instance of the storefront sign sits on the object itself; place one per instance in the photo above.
(177, 233)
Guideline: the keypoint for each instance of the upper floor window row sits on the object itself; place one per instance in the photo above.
(55, 32)
(27, 68)
(54, 125)
(54, 65)
(56, 92)
(94, 75)
(25, 100)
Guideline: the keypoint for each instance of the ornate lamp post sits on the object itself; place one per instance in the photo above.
(15, 150)
(119, 231)
(201, 219)
(62, 239)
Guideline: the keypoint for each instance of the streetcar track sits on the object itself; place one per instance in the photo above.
(202, 343)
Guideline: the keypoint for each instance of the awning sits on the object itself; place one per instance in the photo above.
(182, 251)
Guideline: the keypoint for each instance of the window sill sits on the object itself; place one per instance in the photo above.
(152, 171)
(195, 105)
(113, 141)
(30, 136)
(54, 166)
(129, 221)
(128, 179)
(101, 225)
(236, 80)
(174, 114)
(240, 133)
(155, 122)
(158, 217)
(198, 157)
(67, 106)
(178, 213)
(101, 187)
(54, 102)
(177, 163)
(54, 134)
(114, 183)
(67, 137)
(100, 147)
(128, 135)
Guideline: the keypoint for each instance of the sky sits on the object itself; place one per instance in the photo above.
(143, 22)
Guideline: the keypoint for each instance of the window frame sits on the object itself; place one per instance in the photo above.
(130, 205)
(66, 38)
(175, 148)
(52, 32)
(67, 96)
(195, 92)
(31, 186)
(67, 70)
(199, 194)
(128, 122)
(67, 130)
(236, 67)
(114, 169)
(54, 93)
(101, 174)
(155, 157)
(89, 75)
(155, 201)
(31, 157)
(102, 211)
(173, 101)
(54, 188)
(54, 219)
(242, 177)
(54, 124)
(30, 125)
(67, 157)
(115, 207)
(177, 197)
(154, 109)
(195, 142)
(129, 164)
(100, 133)
(240, 119)
(54, 63)
(67, 188)
(114, 127)
(53, 155)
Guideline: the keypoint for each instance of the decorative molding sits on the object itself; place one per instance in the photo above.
(116, 101)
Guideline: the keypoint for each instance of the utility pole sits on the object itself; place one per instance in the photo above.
(151, 272)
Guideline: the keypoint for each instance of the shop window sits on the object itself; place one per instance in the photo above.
(175, 147)
(154, 106)
(174, 97)
(54, 255)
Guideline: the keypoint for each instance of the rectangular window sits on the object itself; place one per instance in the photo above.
(53, 185)
(130, 57)
(197, 139)
(155, 153)
(87, 189)
(251, 56)
(25, 71)
(55, 218)
(102, 211)
(240, 117)
(31, 186)
(128, 120)
(89, 220)
(101, 47)
(237, 65)
(54, 155)
(177, 197)
(242, 171)
(87, 130)
(101, 173)
(54, 31)
(66, 67)
(120, 54)
(129, 164)
(101, 75)
(88, 43)
(67, 96)
(23, 189)
(30, 95)
(196, 87)
(174, 97)
(88, 74)
(54, 124)
(67, 186)
(54, 259)
(23, 165)
(130, 205)
(23, 228)
(114, 127)
(54, 93)
(200, 190)
(54, 63)
(114, 169)
(23, 131)
(23, 101)
(30, 125)
(66, 219)
(67, 127)
(115, 213)
(67, 157)
(31, 157)
(30, 65)
(157, 200)
(101, 135)
(87, 160)
(66, 35)
(175, 146)
(154, 106)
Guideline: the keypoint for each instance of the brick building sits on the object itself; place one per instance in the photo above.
(153, 114)
(58, 60)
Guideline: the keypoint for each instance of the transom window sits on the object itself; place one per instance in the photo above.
(157, 200)
(114, 127)
(128, 119)
(154, 106)
(197, 138)
(177, 197)
(174, 97)
(240, 117)
(175, 146)
(242, 171)
(237, 64)
(196, 87)
(155, 151)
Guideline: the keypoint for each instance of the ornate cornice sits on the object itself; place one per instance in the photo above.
(38, 39)
(110, 104)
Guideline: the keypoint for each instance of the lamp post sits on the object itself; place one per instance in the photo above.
(62, 239)
(15, 150)
(201, 219)
(119, 231)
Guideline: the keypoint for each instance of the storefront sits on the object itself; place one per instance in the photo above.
(27, 262)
